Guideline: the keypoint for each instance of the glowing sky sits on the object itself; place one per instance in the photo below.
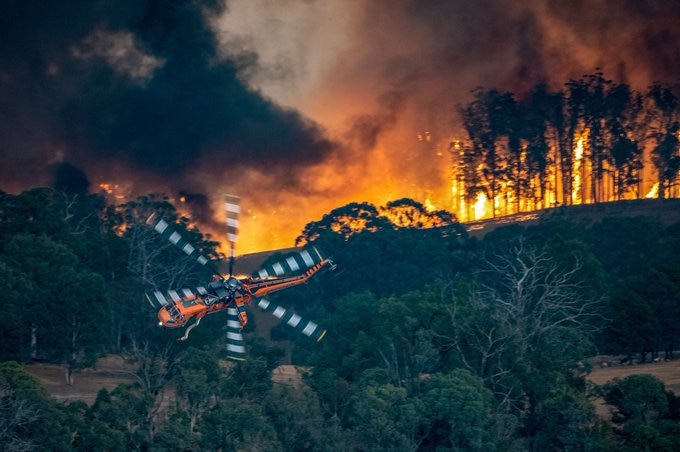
(298, 106)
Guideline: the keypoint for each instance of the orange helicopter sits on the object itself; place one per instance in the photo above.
(178, 307)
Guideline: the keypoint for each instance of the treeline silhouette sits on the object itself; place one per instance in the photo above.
(435, 340)
(594, 140)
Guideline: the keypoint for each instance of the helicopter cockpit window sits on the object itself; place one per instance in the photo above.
(173, 311)
(188, 303)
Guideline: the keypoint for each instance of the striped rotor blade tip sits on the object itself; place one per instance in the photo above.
(232, 205)
(166, 231)
(236, 345)
(296, 262)
(306, 327)
(157, 299)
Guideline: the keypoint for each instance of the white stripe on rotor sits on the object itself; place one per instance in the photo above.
(278, 269)
(188, 248)
(264, 304)
(233, 222)
(307, 258)
(174, 295)
(233, 208)
(187, 292)
(292, 263)
(234, 336)
(278, 312)
(236, 348)
(235, 324)
(263, 274)
(202, 260)
(309, 329)
(161, 226)
(174, 237)
(160, 297)
(294, 320)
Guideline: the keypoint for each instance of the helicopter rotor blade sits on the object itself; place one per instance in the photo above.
(232, 205)
(306, 327)
(162, 298)
(166, 231)
(296, 262)
(236, 349)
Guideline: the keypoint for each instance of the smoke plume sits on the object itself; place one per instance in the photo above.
(297, 106)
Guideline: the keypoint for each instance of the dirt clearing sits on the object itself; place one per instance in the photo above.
(110, 372)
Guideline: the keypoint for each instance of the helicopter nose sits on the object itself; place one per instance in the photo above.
(164, 318)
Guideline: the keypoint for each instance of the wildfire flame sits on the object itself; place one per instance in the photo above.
(576, 169)
(429, 206)
(654, 192)
(480, 206)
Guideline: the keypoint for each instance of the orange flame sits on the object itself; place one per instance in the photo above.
(576, 192)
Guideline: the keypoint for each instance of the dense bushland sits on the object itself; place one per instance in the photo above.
(436, 341)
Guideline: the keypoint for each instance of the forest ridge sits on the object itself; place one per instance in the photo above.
(594, 140)
(436, 340)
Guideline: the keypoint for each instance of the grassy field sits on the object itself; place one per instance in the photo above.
(110, 372)
(668, 372)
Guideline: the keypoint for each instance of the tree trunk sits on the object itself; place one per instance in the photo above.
(68, 374)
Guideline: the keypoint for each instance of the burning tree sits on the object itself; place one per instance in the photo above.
(586, 143)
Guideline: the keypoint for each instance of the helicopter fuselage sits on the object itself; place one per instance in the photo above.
(228, 293)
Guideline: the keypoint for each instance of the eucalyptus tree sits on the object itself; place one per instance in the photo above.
(29, 418)
(645, 413)
(523, 324)
(70, 304)
(545, 130)
(485, 126)
(624, 138)
(664, 124)
(588, 102)
(468, 180)
(16, 323)
(609, 114)
(345, 221)
(408, 213)
(385, 418)
(596, 109)
(460, 414)
(507, 120)
(576, 94)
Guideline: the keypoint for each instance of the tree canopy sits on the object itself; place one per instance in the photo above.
(435, 341)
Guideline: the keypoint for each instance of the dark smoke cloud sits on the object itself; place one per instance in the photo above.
(199, 208)
(70, 179)
(432, 54)
(137, 85)
(138, 89)
(446, 48)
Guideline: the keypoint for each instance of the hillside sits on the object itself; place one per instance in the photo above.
(392, 315)
(666, 211)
